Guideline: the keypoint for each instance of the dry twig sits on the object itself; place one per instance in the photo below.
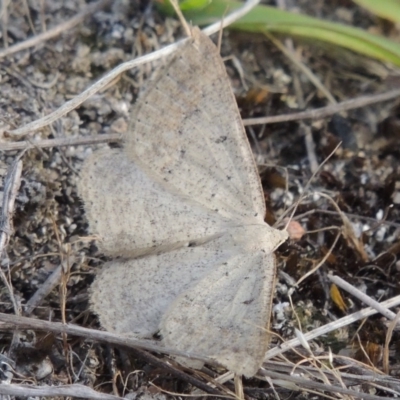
(327, 111)
(55, 391)
(76, 141)
(93, 334)
(12, 182)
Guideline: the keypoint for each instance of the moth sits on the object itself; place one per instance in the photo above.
(180, 211)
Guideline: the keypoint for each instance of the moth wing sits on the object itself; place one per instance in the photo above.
(132, 214)
(131, 296)
(200, 147)
(225, 316)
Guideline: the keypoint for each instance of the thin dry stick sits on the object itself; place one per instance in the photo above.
(28, 16)
(76, 141)
(113, 74)
(303, 68)
(30, 323)
(96, 87)
(231, 18)
(4, 18)
(310, 147)
(288, 51)
(319, 363)
(308, 184)
(239, 386)
(171, 369)
(312, 114)
(303, 383)
(191, 395)
(362, 296)
(365, 371)
(388, 338)
(365, 352)
(64, 391)
(327, 111)
(323, 330)
(51, 282)
(93, 334)
(12, 182)
(57, 30)
(348, 215)
(288, 42)
(322, 262)
(320, 373)
(348, 231)
(184, 23)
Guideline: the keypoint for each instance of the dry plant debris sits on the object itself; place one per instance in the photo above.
(362, 178)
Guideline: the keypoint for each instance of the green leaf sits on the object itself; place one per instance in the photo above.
(389, 9)
(190, 5)
(264, 18)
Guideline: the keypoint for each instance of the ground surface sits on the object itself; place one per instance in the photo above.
(362, 178)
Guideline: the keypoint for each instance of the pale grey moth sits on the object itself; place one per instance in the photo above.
(181, 210)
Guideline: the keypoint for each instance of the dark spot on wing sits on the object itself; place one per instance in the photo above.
(221, 139)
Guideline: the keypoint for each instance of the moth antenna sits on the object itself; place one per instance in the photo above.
(184, 23)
